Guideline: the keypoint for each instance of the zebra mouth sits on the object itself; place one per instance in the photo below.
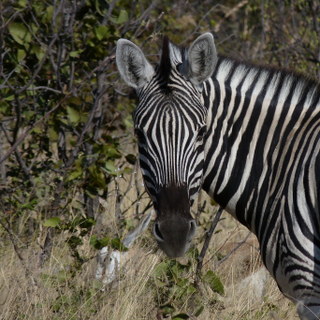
(174, 235)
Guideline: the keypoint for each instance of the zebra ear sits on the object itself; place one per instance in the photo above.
(133, 66)
(202, 59)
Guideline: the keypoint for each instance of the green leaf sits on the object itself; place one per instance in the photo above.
(128, 122)
(52, 222)
(75, 54)
(53, 134)
(118, 245)
(87, 223)
(39, 52)
(94, 241)
(20, 33)
(111, 151)
(131, 158)
(180, 316)
(101, 7)
(199, 311)
(48, 14)
(110, 167)
(73, 115)
(122, 18)
(100, 243)
(37, 129)
(9, 98)
(160, 284)
(74, 241)
(161, 269)
(30, 204)
(214, 282)
(106, 241)
(22, 3)
(21, 54)
(74, 174)
(102, 32)
(167, 309)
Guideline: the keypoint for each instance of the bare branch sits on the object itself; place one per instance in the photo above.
(21, 138)
(206, 243)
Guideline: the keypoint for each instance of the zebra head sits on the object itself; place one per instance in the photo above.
(170, 124)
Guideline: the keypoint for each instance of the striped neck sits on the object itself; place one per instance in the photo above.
(250, 111)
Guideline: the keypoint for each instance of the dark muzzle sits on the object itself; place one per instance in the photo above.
(174, 227)
(174, 235)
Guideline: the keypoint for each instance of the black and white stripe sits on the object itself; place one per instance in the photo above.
(166, 120)
(250, 136)
(168, 147)
(262, 163)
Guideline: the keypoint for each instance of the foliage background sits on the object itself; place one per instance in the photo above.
(67, 152)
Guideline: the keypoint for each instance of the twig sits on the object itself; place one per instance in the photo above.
(86, 126)
(229, 13)
(39, 67)
(16, 128)
(25, 134)
(235, 248)
(200, 208)
(46, 249)
(44, 88)
(206, 243)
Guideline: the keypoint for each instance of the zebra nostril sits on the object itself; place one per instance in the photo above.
(193, 227)
(157, 233)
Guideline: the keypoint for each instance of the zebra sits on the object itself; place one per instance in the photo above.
(249, 136)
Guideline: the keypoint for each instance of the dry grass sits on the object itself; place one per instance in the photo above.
(54, 293)
(60, 291)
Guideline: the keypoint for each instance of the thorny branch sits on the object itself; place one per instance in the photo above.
(206, 243)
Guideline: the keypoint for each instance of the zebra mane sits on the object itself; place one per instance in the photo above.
(240, 69)
(171, 56)
(165, 62)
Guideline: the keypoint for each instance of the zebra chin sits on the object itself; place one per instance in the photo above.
(174, 227)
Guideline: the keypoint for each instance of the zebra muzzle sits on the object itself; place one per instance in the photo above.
(174, 235)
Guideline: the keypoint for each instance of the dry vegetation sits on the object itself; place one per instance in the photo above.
(58, 290)
(55, 291)
(69, 179)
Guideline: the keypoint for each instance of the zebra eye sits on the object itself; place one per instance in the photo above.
(201, 133)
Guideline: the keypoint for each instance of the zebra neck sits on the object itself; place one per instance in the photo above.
(254, 119)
